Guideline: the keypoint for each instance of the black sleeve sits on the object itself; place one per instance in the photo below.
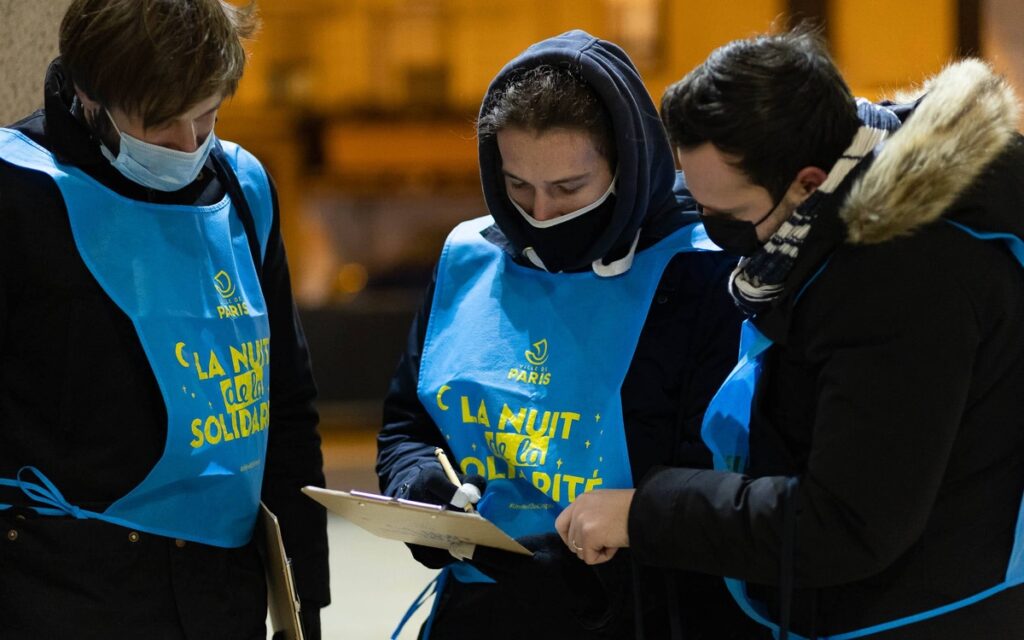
(715, 340)
(4, 268)
(687, 347)
(897, 343)
(409, 436)
(294, 459)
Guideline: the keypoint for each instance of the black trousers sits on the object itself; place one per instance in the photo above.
(67, 578)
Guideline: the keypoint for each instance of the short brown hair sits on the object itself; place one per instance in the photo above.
(155, 58)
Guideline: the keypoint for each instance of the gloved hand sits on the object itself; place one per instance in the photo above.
(432, 486)
(590, 594)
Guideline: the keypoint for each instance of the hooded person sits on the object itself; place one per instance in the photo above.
(570, 340)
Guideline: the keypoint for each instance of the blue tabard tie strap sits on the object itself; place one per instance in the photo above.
(1015, 244)
(434, 587)
(726, 431)
(45, 493)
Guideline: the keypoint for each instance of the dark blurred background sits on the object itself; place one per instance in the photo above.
(363, 112)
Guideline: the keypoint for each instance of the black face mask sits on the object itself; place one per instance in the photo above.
(565, 245)
(735, 237)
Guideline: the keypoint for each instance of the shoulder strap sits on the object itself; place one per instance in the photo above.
(228, 178)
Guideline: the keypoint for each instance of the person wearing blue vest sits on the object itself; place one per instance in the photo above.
(869, 445)
(570, 340)
(155, 383)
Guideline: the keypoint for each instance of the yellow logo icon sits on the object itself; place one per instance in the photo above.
(225, 287)
(539, 354)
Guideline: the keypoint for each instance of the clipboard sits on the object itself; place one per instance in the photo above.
(430, 525)
(282, 600)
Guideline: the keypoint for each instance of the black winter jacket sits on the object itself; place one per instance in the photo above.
(79, 401)
(892, 395)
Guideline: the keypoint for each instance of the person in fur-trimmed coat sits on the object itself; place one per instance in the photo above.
(878, 491)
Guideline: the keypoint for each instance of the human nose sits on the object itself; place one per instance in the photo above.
(184, 137)
(544, 208)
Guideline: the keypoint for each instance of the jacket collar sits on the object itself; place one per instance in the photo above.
(967, 118)
(68, 137)
(959, 128)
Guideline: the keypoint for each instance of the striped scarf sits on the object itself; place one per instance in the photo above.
(759, 280)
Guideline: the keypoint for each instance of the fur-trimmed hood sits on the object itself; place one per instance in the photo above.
(966, 120)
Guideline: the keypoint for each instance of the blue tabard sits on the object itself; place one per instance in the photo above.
(726, 431)
(522, 370)
(185, 277)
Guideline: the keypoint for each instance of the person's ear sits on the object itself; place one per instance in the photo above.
(87, 102)
(806, 182)
(809, 179)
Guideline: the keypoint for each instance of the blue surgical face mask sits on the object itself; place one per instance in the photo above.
(154, 166)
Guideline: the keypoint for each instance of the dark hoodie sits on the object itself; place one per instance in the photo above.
(687, 346)
(646, 170)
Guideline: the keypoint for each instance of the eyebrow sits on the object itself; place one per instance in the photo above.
(215, 107)
(731, 211)
(722, 211)
(554, 182)
(166, 124)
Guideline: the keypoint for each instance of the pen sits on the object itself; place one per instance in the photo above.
(450, 472)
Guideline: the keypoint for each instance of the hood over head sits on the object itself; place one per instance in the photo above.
(645, 167)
